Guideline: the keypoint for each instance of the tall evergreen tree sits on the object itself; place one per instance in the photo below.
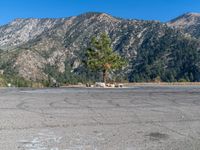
(101, 57)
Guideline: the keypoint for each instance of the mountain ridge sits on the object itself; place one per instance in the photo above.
(188, 23)
(32, 47)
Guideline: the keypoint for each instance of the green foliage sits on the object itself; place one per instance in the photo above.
(3, 82)
(19, 81)
(169, 58)
(101, 57)
(14, 81)
(67, 77)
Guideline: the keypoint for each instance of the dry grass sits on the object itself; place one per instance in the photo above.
(163, 84)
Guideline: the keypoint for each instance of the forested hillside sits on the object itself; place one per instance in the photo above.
(46, 50)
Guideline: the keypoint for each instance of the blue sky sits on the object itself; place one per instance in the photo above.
(162, 10)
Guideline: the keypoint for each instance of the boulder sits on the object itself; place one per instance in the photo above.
(100, 84)
(110, 85)
(119, 85)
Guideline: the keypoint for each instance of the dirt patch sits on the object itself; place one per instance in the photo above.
(156, 136)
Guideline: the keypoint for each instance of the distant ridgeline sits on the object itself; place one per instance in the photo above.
(52, 50)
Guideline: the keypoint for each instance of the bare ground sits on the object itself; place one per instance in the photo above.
(139, 118)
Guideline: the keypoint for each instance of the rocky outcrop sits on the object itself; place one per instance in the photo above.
(188, 23)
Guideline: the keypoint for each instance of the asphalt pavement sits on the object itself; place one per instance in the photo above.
(137, 118)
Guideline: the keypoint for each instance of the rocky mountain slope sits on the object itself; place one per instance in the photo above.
(189, 23)
(37, 48)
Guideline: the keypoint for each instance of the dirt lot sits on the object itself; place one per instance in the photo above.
(138, 118)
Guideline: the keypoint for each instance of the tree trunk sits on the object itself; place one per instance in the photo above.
(104, 75)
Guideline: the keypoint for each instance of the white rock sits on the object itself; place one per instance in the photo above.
(100, 84)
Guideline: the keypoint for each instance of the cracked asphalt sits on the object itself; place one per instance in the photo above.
(138, 118)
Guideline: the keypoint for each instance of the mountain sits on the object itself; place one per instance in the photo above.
(43, 49)
(189, 23)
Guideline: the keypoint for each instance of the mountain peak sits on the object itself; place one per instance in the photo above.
(194, 14)
(95, 14)
(98, 16)
(185, 20)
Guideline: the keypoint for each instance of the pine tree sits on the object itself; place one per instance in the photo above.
(101, 57)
